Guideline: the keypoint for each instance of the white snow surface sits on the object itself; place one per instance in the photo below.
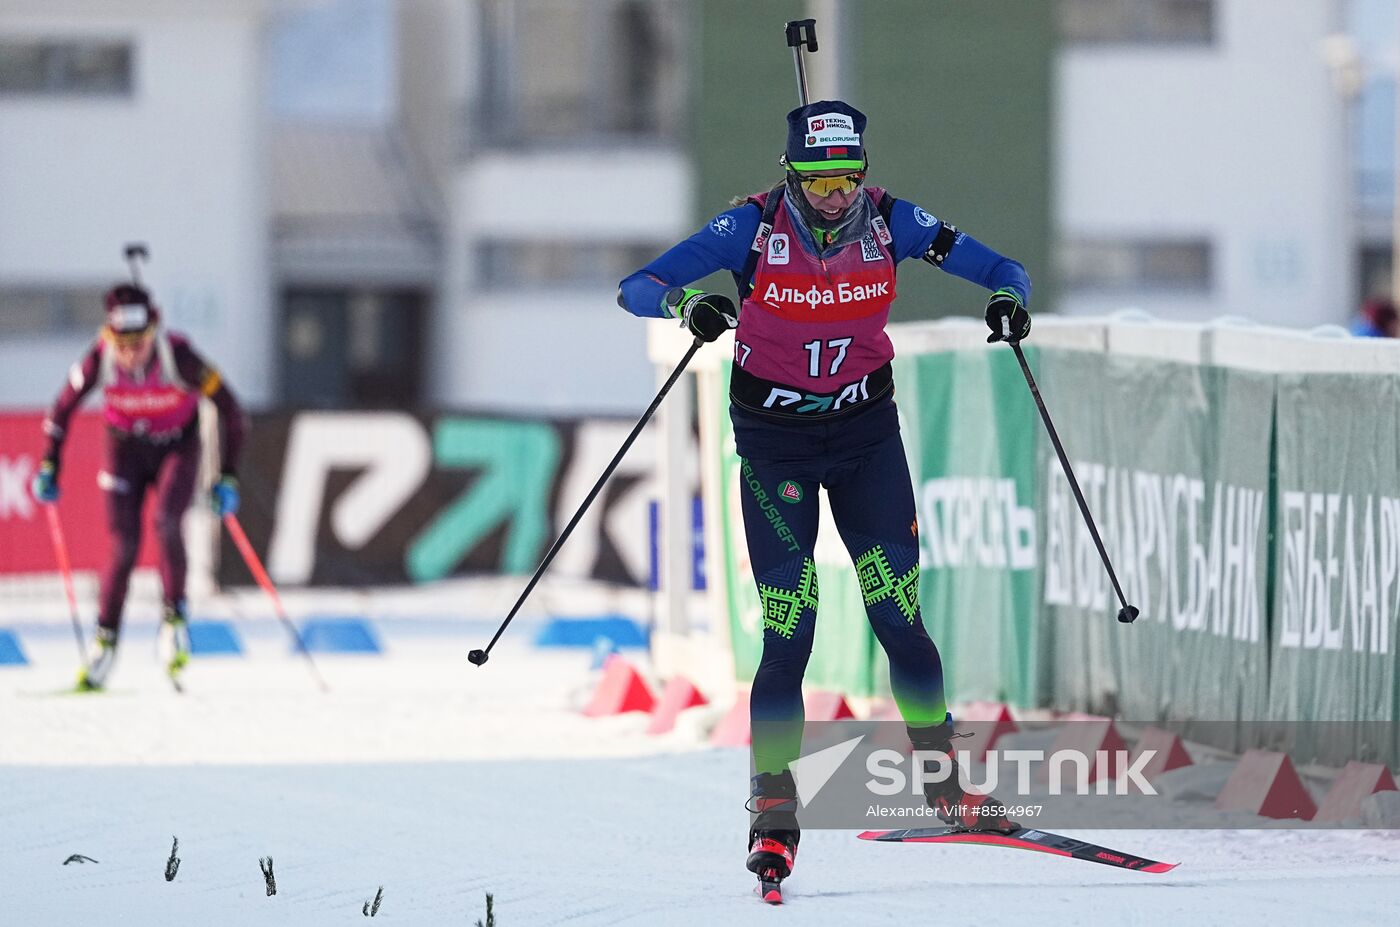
(440, 782)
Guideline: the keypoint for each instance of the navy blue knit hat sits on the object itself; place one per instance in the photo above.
(825, 135)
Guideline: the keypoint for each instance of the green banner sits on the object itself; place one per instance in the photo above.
(1253, 518)
(1337, 564)
(971, 437)
(1173, 461)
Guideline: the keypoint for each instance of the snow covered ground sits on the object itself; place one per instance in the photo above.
(442, 782)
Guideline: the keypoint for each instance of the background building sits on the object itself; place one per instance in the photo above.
(377, 203)
(1201, 162)
(138, 120)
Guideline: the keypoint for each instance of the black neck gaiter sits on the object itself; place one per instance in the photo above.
(830, 233)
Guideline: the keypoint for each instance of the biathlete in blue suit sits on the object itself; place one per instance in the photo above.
(812, 402)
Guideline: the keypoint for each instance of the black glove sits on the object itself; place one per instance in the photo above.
(1007, 318)
(707, 315)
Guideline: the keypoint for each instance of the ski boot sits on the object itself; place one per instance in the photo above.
(173, 641)
(955, 805)
(774, 835)
(103, 654)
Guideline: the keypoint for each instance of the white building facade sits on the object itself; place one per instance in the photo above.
(1202, 163)
(561, 171)
(131, 121)
(1205, 164)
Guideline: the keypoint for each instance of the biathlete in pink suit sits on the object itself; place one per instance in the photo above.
(151, 381)
(812, 401)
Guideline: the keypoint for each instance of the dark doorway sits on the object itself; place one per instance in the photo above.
(352, 348)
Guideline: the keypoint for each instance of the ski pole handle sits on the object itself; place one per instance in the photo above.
(135, 252)
(801, 34)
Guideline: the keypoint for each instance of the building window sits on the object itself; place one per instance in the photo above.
(344, 348)
(506, 265)
(49, 311)
(1118, 265)
(560, 71)
(1138, 21)
(57, 67)
(1374, 271)
(1373, 149)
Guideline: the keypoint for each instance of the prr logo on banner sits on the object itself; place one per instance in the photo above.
(15, 475)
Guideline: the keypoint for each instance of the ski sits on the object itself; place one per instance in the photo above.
(76, 690)
(1023, 838)
(770, 886)
(771, 860)
(73, 691)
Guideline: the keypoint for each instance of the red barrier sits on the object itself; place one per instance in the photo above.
(621, 689)
(1266, 783)
(1169, 752)
(1356, 782)
(884, 708)
(826, 706)
(680, 693)
(891, 733)
(987, 722)
(733, 729)
(1087, 735)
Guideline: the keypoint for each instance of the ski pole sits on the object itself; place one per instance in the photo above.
(65, 568)
(135, 252)
(801, 33)
(1128, 613)
(250, 557)
(479, 657)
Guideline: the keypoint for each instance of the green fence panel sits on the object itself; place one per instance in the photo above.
(1337, 565)
(1254, 520)
(1173, 460)
(971, 434)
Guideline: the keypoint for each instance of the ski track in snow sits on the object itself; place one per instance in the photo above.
(441, 782)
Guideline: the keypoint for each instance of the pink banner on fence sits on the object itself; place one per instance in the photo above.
(25, 546)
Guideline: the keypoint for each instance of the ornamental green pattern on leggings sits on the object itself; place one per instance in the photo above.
(878, 582)
(783, 608)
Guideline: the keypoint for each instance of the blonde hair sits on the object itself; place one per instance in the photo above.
(743, 198)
